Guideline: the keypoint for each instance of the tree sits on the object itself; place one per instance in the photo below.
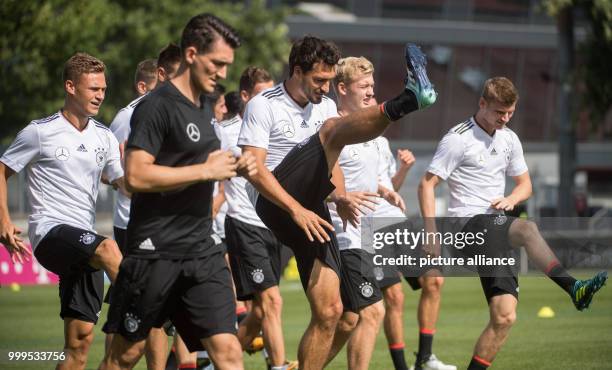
(36, 39)
(595, 54)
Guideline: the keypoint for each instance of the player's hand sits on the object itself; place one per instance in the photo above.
(312, 225)
(9, 237)
(395, 199)
(405, 158)
(247, 166)
(220, 165)
(353, 204)
(504, 204)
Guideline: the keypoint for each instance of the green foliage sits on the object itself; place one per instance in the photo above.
(596, 53)
(36, 39)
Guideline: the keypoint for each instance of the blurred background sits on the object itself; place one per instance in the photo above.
(558, 53)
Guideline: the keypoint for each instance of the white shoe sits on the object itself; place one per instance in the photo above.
(433, 363)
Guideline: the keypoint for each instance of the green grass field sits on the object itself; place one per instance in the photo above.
(571, 340)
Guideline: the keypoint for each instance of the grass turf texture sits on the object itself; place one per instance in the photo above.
(571, 340)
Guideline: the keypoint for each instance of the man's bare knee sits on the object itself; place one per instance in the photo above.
(373, 314)
(503, 320)
(348, 321)
(107, 254)
(394, 298)
(432, 285)
(524, 231)
(78, 343)
(329, 314)
(271, 302)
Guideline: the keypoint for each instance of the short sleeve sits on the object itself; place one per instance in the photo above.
(516, 165)
(121, 125)
(448, 156)
(25, 149)
(149, 126)
(113, 169)
(257, 123)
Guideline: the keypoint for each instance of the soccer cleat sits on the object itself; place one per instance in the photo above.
(416, 77)
(584, 290)
(432, 363)
(292, 365)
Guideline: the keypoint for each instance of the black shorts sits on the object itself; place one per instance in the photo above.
(195, 294)
(496, 280)
(388, 274)
(304, 174)
(66, 251)
(363, 289)
(255, 257)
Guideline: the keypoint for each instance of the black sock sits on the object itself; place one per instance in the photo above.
(399, 361)
(400, 106)
(560, 276)
(425, 343)
(478, 364)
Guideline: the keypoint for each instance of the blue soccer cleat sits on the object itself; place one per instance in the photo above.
(583, 291)
(416, 77)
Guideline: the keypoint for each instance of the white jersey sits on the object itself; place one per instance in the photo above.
(359, 164)
(475, 165)
(120, 127)
(63, 168)
(239, 206)
(275, 122)
(386, 170)
(219, 221)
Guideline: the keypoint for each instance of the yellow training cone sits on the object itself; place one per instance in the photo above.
(546, 313)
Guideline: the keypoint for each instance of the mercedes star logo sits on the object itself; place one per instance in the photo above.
(288, 130)
(62, 153)
(193, 132)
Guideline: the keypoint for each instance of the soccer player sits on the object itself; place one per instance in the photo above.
(168, 60)
(148, 75)
(295, 134)
(174, 267)
(475, 157)
(65, 156)
(360, 322)
(429, 302)
(254, 251)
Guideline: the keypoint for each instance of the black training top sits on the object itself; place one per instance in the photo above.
(176, 223)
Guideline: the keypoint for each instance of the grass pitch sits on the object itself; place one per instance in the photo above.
(29, 321)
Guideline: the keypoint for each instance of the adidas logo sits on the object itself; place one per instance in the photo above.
(493, 152)
(304, 124)
(82, 148)
(147, 244)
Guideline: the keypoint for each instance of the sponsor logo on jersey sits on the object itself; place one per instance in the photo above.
(62, 153)
(87, 238)
(493, 152)
(82, 148)
(257, 276)
(354, 154)
(288, 130)
(147, 244)
(100, 156)
(193, 132)
(304, 124)
(366, 289)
